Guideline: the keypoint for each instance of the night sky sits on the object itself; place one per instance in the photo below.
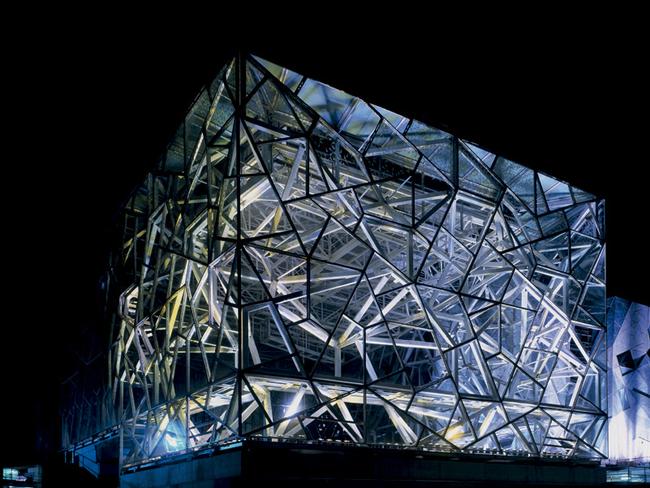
(96, 106)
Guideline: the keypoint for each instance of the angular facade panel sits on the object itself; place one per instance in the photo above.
(309, 266)
(628, 334)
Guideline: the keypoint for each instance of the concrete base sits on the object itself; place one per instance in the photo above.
(258, 463)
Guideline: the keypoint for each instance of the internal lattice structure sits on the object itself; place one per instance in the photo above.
(305, 265)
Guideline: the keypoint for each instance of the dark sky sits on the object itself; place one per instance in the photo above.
(95, 107)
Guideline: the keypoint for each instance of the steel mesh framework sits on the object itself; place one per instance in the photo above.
(306, 265)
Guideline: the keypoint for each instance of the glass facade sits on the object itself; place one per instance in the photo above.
(306, 265)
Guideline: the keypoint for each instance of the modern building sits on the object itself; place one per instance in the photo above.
(628, 336)
(305, 268)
